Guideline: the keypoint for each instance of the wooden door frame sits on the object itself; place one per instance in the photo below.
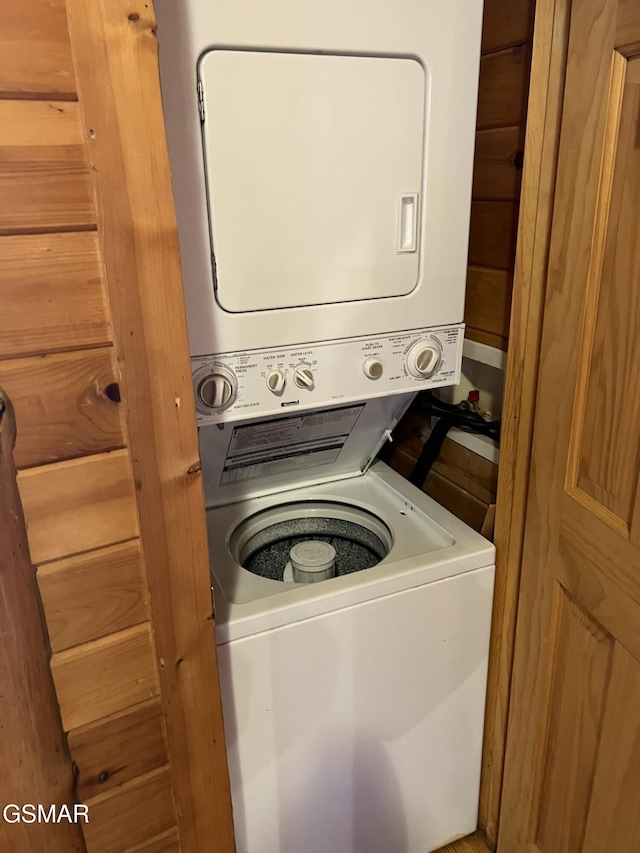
(546, 91)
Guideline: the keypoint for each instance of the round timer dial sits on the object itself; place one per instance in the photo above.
(424, 358)
(216, 389)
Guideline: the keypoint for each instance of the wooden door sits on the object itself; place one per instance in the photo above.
(572, 775)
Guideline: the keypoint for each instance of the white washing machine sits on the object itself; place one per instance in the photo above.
(353, 706)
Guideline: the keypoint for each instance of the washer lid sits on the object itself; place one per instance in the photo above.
(265, 455)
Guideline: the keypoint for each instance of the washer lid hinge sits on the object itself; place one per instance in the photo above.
(386, 436)
(201, 100)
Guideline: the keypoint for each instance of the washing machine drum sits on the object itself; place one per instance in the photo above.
(266, 542)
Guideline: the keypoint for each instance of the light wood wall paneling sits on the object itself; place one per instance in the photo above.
(455, 462)
(466, 469)
(94, 594)
(167, 842)
(492, 234)
(457, 500)
(486, 338)
(502, 97)
(106, 676)
(78, 505)
(35, 53)
(119, 748)
(115, 51)
(44, 175)
(502, 104)
(497, 168)
(35, 765)
(66, 405)
(52, 294)
(536, 207)
(506, 24)
(488, 300)
(131, 814)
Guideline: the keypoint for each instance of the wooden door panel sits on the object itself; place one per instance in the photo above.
(602, 573)
(628, 25)
(583, 652)
(614, 816)
(574, 729)
(605, 449)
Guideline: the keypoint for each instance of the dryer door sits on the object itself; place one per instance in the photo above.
(314, 170)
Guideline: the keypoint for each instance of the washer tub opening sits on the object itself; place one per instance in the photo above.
(262, 542)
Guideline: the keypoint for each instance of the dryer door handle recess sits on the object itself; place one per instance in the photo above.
(407, 223)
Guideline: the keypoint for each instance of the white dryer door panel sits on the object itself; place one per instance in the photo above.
(314, 171)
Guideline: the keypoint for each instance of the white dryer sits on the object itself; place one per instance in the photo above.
(336, 137)
(353, 706)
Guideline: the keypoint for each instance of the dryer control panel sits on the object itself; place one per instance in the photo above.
(234, 386)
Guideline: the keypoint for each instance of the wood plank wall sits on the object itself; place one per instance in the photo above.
(84, 471)
(502, 105)
(459, 480)
(36, 766)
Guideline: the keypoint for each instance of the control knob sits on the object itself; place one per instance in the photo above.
(373, 368)
(216, 389)
(276, 381)
(303, 377)
(424, 358)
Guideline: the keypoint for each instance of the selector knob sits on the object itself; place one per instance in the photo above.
(303, 377)
(424, 358)
(276, 381)
(373, 368)
(216, 389)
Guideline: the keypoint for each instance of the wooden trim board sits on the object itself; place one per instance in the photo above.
(115, 56)
(536, 207)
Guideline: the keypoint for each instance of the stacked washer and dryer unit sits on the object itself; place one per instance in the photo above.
(322, 156)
